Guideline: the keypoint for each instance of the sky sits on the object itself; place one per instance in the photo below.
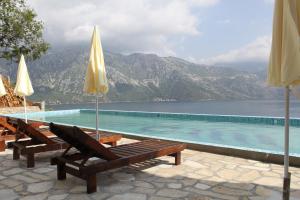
(201, 31)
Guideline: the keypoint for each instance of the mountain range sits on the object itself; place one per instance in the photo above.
(58, 77)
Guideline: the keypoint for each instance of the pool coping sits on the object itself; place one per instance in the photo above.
(235, 152)
(265, 120)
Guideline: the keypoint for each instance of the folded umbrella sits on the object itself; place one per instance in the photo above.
(23, 85)
(95, 80)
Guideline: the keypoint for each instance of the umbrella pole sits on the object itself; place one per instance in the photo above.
(25, 108)
(287, 175)
(97, 119)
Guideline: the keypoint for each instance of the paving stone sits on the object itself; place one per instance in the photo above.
(263, 165)
(174, 185)
(100, 195)
(58, 197)
(8, 194)
(173, 193)
(36, 176)
(25, 179)
(241, 186)
(164, 179)
(2, 177)
(128, 196)
(188, 182)
(168, 173)
(10, 163)
(123, 177)
(249, 176)
(254, 167)
(35, 197)
(158, 185)
(230, 191)
(79, 197)
(40, 187)
(43, 170)
(193, 164)
(205, 193)
(257, 198)
(159, 198)
(117, 188)
(202, 186)
(143, 184)
(10, 182)
(165, 166)
(12, 171)
(63, 185)
(270, 174)
(142, 190)
(205, 172)
(268, 181)
(228, 174)
(19, 188)
(78, 189)
(264, 192)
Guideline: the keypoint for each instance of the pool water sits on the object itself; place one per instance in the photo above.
(267, 137)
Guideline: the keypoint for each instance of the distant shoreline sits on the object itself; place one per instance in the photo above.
(170, 101)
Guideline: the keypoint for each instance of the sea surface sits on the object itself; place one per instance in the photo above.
(248, 108)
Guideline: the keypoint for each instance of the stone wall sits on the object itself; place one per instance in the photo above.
(10, 110)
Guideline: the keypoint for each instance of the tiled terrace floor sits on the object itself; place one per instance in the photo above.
(201, 176)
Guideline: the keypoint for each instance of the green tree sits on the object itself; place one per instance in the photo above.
(20, 31)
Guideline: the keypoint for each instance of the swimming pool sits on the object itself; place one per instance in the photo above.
(242, 132)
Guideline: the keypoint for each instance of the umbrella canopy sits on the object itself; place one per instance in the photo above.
(2, 88)
(23, 85)
(284, 64)
(95, 79)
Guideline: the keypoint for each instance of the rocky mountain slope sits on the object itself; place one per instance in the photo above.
(59, 75)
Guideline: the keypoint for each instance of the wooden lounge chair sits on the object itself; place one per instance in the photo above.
(109, 158)
(39, 142)
(7, 129)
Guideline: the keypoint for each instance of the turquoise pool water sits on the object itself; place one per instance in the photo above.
(255, 133)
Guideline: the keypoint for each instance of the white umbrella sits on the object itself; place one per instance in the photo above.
(95, 80)
(284, 66)
(23, 85)
(2, 88)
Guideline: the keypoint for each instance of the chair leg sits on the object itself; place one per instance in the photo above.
(16, 154)
(91, 184)
(61, 171)
(113, 144)
(30, 160)
(178, 158)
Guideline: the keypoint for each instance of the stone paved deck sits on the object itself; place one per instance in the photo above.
(202, 176)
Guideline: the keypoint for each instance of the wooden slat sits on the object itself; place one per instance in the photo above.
(133, 159)
(127, 152)
(33, 133)
(83, 142)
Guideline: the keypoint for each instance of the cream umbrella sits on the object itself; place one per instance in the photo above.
(23, 86)
(284, 65)
(2, 88)
(95, 80)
